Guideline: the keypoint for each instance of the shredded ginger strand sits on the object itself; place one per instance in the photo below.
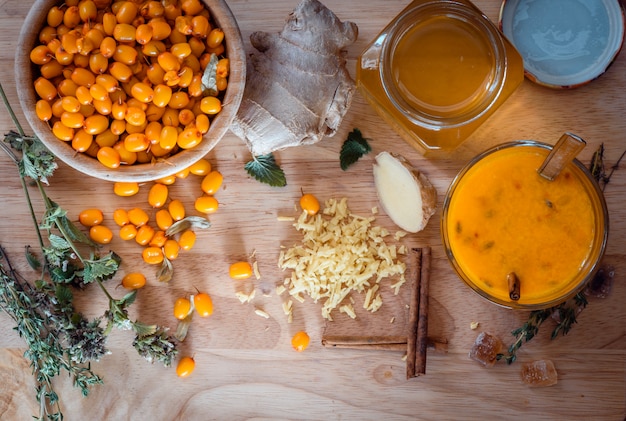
(340, 253)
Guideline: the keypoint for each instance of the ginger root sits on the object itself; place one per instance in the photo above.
(297, 89)
(405, 194)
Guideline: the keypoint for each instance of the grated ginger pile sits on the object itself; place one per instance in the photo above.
(340, 253)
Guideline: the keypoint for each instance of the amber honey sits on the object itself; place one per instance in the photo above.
(437, 72)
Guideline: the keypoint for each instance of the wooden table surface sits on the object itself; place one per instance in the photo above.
(246, 368)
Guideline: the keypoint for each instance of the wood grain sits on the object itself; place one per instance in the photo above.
(246, 368)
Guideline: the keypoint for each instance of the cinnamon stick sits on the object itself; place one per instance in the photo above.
(422, 323)
(391, 343)
(514, 286)
(411, 338)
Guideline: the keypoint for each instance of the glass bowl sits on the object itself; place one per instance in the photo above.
(506, 228)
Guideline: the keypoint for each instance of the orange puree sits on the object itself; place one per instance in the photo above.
(504, 217)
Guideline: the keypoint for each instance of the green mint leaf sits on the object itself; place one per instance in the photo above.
(101, 269)
(265, 169)
(353, 148)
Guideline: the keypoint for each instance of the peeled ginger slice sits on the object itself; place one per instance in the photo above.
(404, 193)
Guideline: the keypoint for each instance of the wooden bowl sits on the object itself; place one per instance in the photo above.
(26, 73)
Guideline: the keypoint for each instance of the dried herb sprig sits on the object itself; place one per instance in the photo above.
(598, 169)
(57, 336)
(565, 314)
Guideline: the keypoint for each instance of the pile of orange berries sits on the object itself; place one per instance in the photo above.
(122, 80)
(135, 223)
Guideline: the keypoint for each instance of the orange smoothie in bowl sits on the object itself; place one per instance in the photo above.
(502, 221)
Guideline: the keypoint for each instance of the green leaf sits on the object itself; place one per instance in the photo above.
(353, 148)
(265, 169)
(101, 269)
(142, 329)
(32, 260)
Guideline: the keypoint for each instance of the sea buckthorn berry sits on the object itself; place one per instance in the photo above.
(202, 123)
(45, 89)
(203, 304)
(124, 32)
(87, 10)
(109, 157)
(43, 109)
(55, 16)
(41, 54)
(98, 63)
(206, 204)
(82, 141)
(100, 234)
(162, 94)
(163, 219)
(201, 167)
(83, 77)
(185, 367)
(120, 216)
(189, 138)
(99, 92)
(300, 341)
(125, 189)
(215, 38)
(181, 50)
(71, 17)
(168, 180)
(222, 67)
(169, 137)
(120, 71)
(138, 217)
(187, 240)
(136, 142)
(168, 61)
(157, 196)
(191, 7)
(200, 26)
(126, 12)
(91, 217)
(240, 270)
(212, 182)
(159, 239)
(51, 69)
(171, 249)
(73, 120)
(160, 30)
(106, 138)
(135, 116)
(96, 124)
(152, 255)
(144, 234)
(176, 209)
(184, 173)
(143, 35)
(62, 132)
(134, 280)
(128, 232)
(309, 203)
(126, 54)
(182, 308)
(210, 105)
(142, 92)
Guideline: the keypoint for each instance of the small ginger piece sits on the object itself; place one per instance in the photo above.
(405, 193)
(298, 88)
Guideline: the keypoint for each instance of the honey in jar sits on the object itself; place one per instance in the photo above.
(437, 72)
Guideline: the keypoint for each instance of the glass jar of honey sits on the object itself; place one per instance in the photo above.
(437, 72)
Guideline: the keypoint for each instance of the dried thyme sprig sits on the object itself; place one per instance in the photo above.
(565, 314)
